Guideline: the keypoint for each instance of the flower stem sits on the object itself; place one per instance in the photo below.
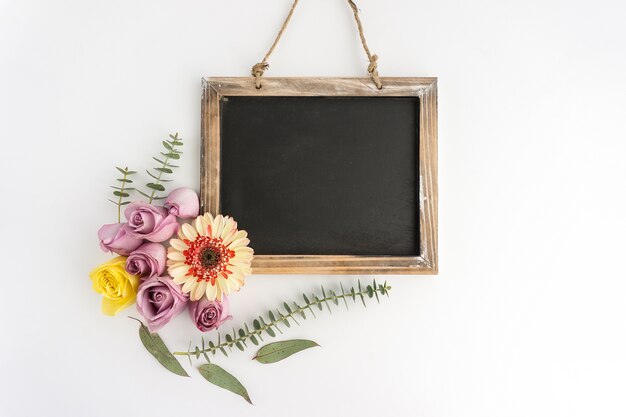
(119, 201)
(370, 291)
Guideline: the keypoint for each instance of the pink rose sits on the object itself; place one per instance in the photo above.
(149, 222)
(183, 203)
(147, 260)
(208, 315)
(115, 238)
(159, 300)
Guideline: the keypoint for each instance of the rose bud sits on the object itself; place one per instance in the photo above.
(159, 300)
(183, 203)
(115, 238)
(208, 315)
(147, 260)
(149, 222)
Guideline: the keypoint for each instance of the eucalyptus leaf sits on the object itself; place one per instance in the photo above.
(218, 376)
(165, 163)
(143, 194)
(154, 344)
(157, 187)
(277, 351)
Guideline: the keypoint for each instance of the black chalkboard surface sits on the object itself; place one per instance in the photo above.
(322, 175)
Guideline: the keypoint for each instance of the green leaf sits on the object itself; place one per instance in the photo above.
(164, 163)
(157, 178)
(256, 324)
(164, 170)
(270, 332)
(301, 310)
(277, 351)
(157, 187)
(272, 318)
(343, 295)
(120, 194)
(154, 344)
(256, 342)
(218, 376)
(375, 293)
(175, 136)
(171, 155)
(143, 194)
(287, 308)
(361, 293)
(125, 180)
(167, 146)
(123, 171)
(284, 319)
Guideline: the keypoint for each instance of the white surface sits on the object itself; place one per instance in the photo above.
(527, 315)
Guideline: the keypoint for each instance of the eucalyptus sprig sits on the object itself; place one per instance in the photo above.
(171, 153)
(260, 326)
(122, 191)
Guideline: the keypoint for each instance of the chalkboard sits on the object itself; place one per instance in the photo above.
(324, 180)
(322, 175)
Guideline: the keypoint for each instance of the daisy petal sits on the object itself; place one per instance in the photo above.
(189, 231)
(178, 244)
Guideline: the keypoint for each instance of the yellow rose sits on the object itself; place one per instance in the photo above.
(118, 287)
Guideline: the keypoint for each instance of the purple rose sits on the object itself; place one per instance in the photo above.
(149, 222)
(159, 300)
(147, 260)
(115, 238)
(183, 203)
(208, 315)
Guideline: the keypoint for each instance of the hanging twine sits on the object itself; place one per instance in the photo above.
(259, 69)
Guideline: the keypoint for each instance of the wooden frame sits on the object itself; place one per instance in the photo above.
(424, 88)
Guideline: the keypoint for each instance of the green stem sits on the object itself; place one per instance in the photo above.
(119, 201)
(158, 181)
(383, 289)
(165, 165)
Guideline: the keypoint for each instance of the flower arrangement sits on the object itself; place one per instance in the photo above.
(170, 258)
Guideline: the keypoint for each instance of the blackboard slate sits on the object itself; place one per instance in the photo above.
(322, 175)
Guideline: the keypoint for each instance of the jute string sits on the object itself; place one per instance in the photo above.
(259, 69)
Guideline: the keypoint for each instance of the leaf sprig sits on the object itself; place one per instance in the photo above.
(122, 191)
(259, 326)
(171, 153)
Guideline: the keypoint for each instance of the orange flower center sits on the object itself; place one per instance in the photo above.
(208, 258)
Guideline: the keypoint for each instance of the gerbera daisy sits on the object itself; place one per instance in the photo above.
(211, 257)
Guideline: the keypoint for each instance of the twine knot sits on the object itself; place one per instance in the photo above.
(372, 69)
(257, 71)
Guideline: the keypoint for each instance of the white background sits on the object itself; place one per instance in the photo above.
(527, 316)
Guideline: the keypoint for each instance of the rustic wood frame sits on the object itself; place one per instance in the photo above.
(423, 88)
